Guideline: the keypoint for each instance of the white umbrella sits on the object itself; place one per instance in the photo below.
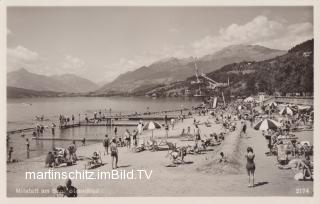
(249, 99)
(286, 111)
(267, 124)
(151, 126)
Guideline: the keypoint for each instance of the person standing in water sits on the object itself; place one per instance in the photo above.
(251, 167)
(53, 126)
(10, 154)
(28, 145)
(28, 148)
(115, 130)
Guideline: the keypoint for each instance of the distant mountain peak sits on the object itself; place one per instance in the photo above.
(22, 70)
(71, 83)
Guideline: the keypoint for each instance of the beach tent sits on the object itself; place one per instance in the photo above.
(267, 124)
(249, 99)
(304, 107)
(151, 126)
(286, 111)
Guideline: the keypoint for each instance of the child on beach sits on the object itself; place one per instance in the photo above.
(114, 154)
(250, 166)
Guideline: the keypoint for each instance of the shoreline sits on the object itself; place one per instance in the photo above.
(178, 181)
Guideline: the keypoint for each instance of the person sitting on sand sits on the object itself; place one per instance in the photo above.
(250, 165)
(306, 167)
(70, 191)
(114, 154)
(95, 158)
(50, 161)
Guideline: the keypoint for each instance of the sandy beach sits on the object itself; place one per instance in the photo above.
(202, 175)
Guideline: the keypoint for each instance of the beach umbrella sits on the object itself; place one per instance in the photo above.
(267, 124)
(151, 126)
(249, 99)
(286, 111)
(273, 105)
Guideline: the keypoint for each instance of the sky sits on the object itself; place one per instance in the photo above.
(100, 43)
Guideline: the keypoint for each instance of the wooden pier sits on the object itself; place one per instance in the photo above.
(67, 139)
(111, 120)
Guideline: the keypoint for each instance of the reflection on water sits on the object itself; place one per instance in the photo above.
(20, 116)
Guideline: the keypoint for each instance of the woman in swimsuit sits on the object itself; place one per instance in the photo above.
(250, 165)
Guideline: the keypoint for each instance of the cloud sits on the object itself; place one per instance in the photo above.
(21, 57)
(173, 30)
(261, 30)
(22, 53)
(73, 65)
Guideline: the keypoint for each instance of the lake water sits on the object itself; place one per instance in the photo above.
(21, 114)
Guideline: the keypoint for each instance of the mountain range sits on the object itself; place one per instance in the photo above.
(172, 69)
(292, 72)
(70, 83)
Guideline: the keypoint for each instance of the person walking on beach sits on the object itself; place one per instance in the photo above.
(197, 139)
(134, 138)
(114, 154)
(127, 138)
(106, 143)
(250, 166)
(188, 132)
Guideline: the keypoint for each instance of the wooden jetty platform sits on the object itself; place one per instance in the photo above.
(108, 124)
(110, 120)
(67, 139)
(20, 130)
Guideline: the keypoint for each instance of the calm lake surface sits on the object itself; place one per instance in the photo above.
(21, 114)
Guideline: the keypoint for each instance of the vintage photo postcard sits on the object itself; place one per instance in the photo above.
(160, 100)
